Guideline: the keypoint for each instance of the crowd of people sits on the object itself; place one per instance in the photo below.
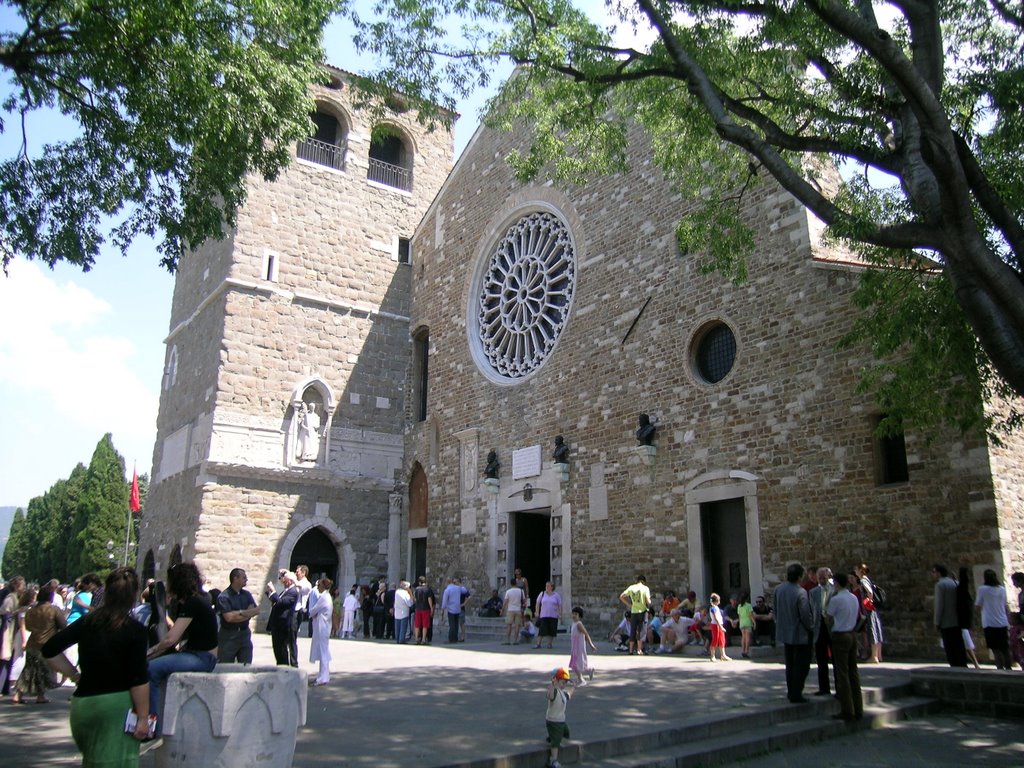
(119, 646)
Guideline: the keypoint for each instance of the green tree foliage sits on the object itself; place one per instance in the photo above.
(17, 551)
(102, 511)
(175, 104)
(56, 537)
(921, 111)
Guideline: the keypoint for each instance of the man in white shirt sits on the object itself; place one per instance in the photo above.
(305, 588)
(58, 598)
(403, 610)
(843, 612)
(675, 632)
(512, 610)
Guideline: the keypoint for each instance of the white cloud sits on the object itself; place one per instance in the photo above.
(66, 378)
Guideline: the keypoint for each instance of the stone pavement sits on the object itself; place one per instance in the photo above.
(402, 706)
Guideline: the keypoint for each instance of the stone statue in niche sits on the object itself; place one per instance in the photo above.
(493, 466)
(561, 453)
(308, 448)
(645, 431)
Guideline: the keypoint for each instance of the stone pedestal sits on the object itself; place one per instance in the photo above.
(234, 717)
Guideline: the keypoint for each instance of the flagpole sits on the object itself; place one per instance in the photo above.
(127, 535)
(133, 507)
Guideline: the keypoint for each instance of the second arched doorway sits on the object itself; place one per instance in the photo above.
(316, 551)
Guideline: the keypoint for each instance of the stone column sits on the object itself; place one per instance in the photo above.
(394, 537)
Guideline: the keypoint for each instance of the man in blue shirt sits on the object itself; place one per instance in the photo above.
(451, 604)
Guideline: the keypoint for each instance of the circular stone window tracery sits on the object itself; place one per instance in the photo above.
(524, 295)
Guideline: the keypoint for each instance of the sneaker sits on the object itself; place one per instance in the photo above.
(712, 659)
(151, 744)
(727, 658)
(554, 764)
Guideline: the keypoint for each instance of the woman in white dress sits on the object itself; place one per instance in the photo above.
(350, 606)
(320, 615)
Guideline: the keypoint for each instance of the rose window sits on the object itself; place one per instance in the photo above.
(525, 295)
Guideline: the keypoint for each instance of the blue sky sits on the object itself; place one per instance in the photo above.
(82, 354)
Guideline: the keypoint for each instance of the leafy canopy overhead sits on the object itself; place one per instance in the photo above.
(175, 103)
(917, 102)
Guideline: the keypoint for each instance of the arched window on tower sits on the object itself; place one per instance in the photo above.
(420, 372)
(390, 159)
(328, 143)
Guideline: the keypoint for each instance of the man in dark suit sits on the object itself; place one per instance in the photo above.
(946, 619)
(821, 637)
(793, 630)
(282, 620)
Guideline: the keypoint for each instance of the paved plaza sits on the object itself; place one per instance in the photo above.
(440, 705)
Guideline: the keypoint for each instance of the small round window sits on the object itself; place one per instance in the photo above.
(714, 352)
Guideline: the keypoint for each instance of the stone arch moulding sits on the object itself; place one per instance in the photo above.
(331, 107)
(399, 129)
(719, 485)
(346, 559)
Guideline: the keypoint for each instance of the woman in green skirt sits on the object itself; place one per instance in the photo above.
(113, 679)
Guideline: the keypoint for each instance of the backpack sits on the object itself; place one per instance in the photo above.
(880, 599)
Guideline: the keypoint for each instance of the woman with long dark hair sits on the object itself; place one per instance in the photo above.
(112, 657)
(194, 631)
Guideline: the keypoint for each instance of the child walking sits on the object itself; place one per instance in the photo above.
(717, 630)
(579, 639)
(559, 692)
(746, 614)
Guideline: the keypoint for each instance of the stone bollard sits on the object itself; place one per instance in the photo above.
(237, 716)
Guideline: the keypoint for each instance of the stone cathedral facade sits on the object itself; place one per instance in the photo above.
(372, 379)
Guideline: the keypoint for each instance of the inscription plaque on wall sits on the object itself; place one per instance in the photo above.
(526, 462)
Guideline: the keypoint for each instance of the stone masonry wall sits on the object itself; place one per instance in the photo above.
(788, 413)
(335, 309)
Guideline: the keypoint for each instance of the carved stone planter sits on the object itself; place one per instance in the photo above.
(237, 716)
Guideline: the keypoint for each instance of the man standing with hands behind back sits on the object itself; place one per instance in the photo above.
(793, 630)
(637, 597)
(236, 606)
(946, 619)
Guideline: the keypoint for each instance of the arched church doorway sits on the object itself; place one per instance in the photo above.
(316, 551)
(418, 508)
(148, 567)
(531, 548)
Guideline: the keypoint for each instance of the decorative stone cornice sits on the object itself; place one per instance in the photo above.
(212, 470)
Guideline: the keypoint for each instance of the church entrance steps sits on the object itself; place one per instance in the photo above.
(723, 738)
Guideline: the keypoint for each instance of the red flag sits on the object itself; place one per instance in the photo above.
(134, 504)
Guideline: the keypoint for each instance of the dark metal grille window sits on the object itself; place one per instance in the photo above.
(322, 153)
(388, 174)
(716, 354)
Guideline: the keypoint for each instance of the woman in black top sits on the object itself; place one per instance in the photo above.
(112, 657)
(194, 628)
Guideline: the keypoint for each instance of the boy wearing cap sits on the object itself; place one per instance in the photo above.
(559, 692)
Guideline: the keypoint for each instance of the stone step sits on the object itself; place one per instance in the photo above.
(720, 738)
(742, 741)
